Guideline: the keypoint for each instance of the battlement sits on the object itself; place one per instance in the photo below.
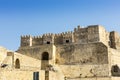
(26, 36)
(37, 40)
(68, 37)
(48, 38)
(77, 29)
(26, 40)
(80, 35)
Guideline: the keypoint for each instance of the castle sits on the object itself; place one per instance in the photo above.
(89, 53)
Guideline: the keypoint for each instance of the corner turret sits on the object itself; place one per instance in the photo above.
(26, 41)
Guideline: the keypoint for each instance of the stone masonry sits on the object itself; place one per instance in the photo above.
(89, 53)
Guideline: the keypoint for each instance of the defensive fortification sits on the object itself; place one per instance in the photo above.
(89, 53)
(89, 34)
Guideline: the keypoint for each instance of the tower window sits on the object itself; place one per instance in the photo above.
(67, 41)
(17, 64)
(116, 68)
(48, 42)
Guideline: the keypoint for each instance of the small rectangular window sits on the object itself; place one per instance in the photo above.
(36, 76)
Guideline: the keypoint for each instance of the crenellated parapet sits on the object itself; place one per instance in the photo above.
(26, 40)
(64, 38)
(68, 37)
(37, 40)
(58, 39)
(80, 35)
(48, 38)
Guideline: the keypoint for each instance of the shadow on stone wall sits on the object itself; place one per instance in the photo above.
(115, 70)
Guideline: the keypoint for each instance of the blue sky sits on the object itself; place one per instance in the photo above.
(35, 17)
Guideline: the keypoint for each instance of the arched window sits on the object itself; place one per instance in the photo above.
(115, 71)
(17, 64)
(45, 56)
(115, 68)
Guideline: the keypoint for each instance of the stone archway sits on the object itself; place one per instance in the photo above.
(45, 63)
(17, 63)
(44, 60)
(45, 56)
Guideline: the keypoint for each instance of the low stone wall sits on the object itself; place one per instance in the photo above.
(115, 78)
(84, 71)
(97, 78)
(19, 75)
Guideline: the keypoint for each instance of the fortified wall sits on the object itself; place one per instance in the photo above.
(89, 53)
(85, 51)
(89, 34)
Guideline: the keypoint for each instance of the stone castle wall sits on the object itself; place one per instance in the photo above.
(82, 54)
(89, 53)
(85, 71)
(2, 54)
(16, 66)
(90, 34)
(85, 46)
(93, 33)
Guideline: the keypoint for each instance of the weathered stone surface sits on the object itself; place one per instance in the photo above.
(89, 53)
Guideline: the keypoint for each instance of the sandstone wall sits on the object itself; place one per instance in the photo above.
(36, 52)
(114, 62)
(103, 35)
(97, 78)
(89, 34)
(19, 75)
(85, 71)
(55, 76)
(3, 54)
(74, 54)
(115, 57)
(114, 40)
(115, 78)
(27, 62)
